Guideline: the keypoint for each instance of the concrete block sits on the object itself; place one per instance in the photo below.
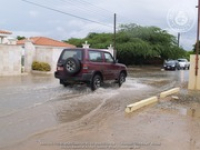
(175, 97)
(135, 106)
(169, 92)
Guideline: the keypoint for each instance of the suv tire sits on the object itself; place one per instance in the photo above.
(96, 82)
(72, 65)
(65, 84)
(122, 78)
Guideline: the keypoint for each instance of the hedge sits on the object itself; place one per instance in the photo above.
(41, 66)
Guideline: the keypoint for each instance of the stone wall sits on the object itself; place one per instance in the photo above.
(29, 54)
(10, 60)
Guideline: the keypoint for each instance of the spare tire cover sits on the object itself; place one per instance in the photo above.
(72, 65)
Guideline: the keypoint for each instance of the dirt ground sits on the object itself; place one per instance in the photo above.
(86, 120)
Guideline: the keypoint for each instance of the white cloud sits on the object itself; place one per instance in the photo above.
(61, 26)
(60, 29)
(33, 13)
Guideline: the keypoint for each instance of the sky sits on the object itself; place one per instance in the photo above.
(64, 19)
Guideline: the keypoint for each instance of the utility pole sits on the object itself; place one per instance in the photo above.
(197, 45)
(179, 39)
(114, 38)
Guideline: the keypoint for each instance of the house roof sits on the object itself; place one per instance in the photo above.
(5, 32)
(44, 41)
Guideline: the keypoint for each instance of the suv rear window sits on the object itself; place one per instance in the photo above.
(95, 56)
(72, 53)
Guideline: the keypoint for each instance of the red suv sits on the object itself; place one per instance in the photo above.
(90, 66)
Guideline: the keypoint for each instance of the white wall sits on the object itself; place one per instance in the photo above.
(49, 55)
(10, 60)
(29, 54)
(56, 55)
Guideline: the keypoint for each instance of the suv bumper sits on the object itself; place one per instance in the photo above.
(84, 77)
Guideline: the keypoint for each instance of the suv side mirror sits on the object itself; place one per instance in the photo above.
(115, 61)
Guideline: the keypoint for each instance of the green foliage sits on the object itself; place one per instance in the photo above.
(96, 40)
(20, 37)
(194, 48)
(99, 40)
(188, 53)
(41, 66)
(75, 41)
(136, 44)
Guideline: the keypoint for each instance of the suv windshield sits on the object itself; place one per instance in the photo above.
(71, 53)
(182, 60)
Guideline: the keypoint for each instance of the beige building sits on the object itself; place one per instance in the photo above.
(6, 39)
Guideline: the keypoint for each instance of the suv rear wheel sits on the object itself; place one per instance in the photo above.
(72, 65)
(96, 82)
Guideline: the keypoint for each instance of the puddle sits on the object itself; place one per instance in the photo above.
(189, 112)
(35, 104)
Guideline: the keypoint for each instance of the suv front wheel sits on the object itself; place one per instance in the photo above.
(122, 78)
(96, 82)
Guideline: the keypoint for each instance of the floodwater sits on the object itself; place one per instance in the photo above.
(38, 113)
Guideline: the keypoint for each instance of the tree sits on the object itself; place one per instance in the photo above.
(99, 40)
(147, 43)
(20, 37)
(75, 41)
(136, 44)
(194, 48)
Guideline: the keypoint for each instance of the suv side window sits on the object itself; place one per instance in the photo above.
(108, 57)
(95, 56)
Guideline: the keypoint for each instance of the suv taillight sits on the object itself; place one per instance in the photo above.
(85, 68)
(60, 68)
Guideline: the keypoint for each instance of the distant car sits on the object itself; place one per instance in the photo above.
(171, 65)
(184, 64)
(90, 66)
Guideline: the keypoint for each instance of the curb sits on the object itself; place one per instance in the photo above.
(140, 104)
(135, 106)
(169, 92)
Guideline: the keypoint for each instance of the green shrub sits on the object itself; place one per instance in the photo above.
(41, 66)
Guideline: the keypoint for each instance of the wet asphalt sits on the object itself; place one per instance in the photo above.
(36, 112)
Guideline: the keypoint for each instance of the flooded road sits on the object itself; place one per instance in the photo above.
(38, 113)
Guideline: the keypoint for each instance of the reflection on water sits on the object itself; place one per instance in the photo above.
(189, 112)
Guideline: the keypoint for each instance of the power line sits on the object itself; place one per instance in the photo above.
(83, 1)
(89, 9)
(98, 8)
(42, 6)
